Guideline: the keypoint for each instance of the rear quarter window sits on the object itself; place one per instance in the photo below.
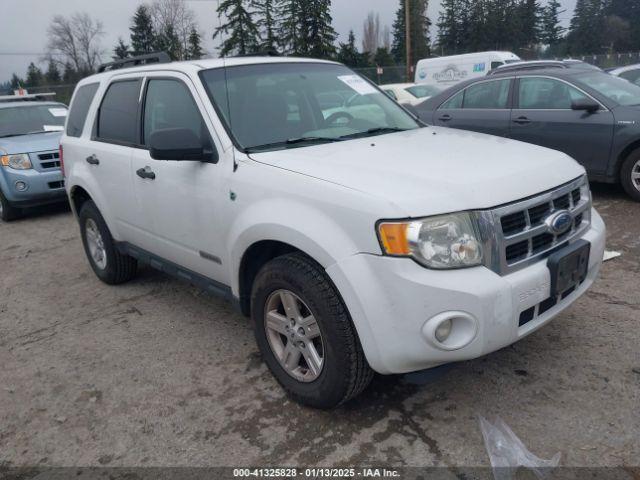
(80, 108)
(118, 115)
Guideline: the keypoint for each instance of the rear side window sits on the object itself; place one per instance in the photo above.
(454, 102)
(488, 95)
(118, 115)
(80, 108)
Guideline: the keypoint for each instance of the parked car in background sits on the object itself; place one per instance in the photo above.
(590, 115)
(540, 64)
(30, 175)
(410, 93)
(447, 71)
(355, 244)
(630, 73)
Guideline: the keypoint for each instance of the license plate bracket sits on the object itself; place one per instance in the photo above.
(569, 267)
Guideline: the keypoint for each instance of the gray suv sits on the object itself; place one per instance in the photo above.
(590, 115)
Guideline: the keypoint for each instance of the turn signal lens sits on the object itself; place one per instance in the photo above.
(394, 238)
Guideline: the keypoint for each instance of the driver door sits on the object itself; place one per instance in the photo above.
(182, 199)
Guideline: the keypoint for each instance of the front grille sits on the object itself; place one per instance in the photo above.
(54, 185)
(524, 236)
(49, 160)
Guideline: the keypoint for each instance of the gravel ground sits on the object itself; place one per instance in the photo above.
(157, 373)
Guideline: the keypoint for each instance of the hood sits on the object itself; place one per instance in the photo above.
(433, 170)
(40, 142)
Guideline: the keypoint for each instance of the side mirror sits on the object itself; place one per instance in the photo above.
(180, 144)
(585, 104)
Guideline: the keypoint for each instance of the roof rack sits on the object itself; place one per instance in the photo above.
(260, 53)
(32, 97)
(148, 59)
(528, 65)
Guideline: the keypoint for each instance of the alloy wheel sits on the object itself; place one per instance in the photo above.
(96, 244)
(294, 336)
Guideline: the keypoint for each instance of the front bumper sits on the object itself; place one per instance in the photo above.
(42, 187)
(390, 301)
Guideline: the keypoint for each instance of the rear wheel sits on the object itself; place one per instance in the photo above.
(7, 211)
(305, 334)
(107, 262)
(630, 175)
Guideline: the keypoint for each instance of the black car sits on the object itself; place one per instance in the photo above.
(592, 116)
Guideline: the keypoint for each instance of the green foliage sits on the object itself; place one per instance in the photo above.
(551, 31)
(383, 57)
(349, 55)
(35, 77)
(142, 34)
(16, 82)
(52, 76)
(121, 50)
(268, 12)
(419, 31)
(240, 29)
(194, 50)
(168, 41)
(306, 28)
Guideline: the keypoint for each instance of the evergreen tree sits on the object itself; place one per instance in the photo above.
(383, 58)
(551, 32)
(142, 34)
(587, 27)
(349, 55)
(16, 82)
(52, 76)
(528, 16)
(121, 50)
(449, 38)
(243, 36)
(321, 35)
(69, 75)
(419, 31)
(168, 41)
(194, 50)
(268, 12)
(294, 30)
(34, 76)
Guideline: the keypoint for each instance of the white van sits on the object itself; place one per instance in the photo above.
(447, 71)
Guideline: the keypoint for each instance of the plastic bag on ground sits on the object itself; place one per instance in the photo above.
(507, 453)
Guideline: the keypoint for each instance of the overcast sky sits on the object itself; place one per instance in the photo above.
(25, 22)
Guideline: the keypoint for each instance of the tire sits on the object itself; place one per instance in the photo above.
(631, 167)
(7, 211)
(344, 371)
(117, 267)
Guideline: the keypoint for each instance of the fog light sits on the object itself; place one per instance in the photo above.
(443, 330)
(20, 186)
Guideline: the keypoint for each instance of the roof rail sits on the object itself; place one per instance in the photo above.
(148, 59)
(528, 65)
(26, 98)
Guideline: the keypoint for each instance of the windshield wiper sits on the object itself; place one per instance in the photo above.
(375, 131)
(293, 141)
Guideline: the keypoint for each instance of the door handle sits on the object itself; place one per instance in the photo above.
(93, 160)
(146, 172)
(445, 118)
(522, 121)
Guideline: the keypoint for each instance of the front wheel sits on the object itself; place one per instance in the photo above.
(305, 334)
(7, 211)
(630, 175)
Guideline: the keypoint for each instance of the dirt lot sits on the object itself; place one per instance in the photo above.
(158, 373)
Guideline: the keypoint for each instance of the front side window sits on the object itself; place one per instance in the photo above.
(286, 105)
(488, 95)
(423, 91)
(118, 115)
(547, 94)
(616, 89)
(80, 108)
(454, 102)
(169, 105)
(32, 119)
(632, 76)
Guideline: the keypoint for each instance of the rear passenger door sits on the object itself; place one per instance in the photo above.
(183, 199)
(481, 107)
(543, 115)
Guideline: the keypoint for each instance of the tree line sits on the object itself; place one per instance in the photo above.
(305, 28)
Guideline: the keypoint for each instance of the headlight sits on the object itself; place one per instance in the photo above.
(17, 162)
(442, 242)
(585, 191)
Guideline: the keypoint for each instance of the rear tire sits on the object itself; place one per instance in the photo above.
(630, 175)
(7, 211)
(109, 265)
(344, 372)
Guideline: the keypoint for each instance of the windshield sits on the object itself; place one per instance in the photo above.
(424, 91)
(614, 88)
(23, 120)
(286, 105)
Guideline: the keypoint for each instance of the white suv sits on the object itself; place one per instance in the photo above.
(356, 238)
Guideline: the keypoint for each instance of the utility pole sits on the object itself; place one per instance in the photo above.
(407, 28)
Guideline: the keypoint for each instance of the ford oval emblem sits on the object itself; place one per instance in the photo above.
(559, 222)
